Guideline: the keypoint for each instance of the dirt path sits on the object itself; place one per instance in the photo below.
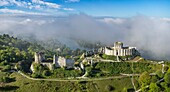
(71, 79)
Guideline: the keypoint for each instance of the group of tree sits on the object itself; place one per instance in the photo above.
(19, 51)
(13, 49)
(155, 83)
(125, 67)
(5, 79)
(41, 71)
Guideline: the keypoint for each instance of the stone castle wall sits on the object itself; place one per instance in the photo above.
(119, 50)
(57, 61)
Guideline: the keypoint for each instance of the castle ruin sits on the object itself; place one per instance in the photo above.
(119, 50)
(57, 61)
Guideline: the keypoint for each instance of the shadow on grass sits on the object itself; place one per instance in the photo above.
(12, 79)
(131, 90)
(8, 88)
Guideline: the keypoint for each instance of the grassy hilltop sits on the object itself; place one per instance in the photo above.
(101, 77)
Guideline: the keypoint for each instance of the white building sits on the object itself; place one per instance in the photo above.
(119, 50)
(63, 62)
(57, 61)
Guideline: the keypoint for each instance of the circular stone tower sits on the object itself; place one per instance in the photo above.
(118, 45)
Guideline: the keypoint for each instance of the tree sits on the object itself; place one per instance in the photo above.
(154, 79)
(35, 75)
(46, 73)
(109, 88)
(167, 78)
(167, 89)
(3, 63)
(125, 89)
(154, 88)
(144, 89)
(23, 66)
(88, 69)
(166, 68)
(164, 84)
(7, 67)
(144, 78)
(38, 69)
(5, 79)
(159, 74)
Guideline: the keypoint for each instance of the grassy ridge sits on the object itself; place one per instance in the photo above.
(126, 67)
(25, 85)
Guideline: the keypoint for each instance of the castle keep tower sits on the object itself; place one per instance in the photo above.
(39, 57)
(119, 50)
(55, 61)
(36, 57)
(118, 45)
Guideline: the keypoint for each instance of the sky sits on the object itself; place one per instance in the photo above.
(144, 24)
(113, 8)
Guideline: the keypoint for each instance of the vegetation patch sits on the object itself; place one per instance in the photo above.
(64, 73)
(114, 68)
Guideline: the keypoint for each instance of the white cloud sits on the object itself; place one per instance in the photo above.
(22, 6)
(72, 1)
(11, 11)
(52, 5)
(14, 11)
(37, 7)
(48, 4)
(166, 19)
(3, 2)
(13, 3)
(113, 20)
(36, 4)
(18, 3)
(68, 9)
(149, 35)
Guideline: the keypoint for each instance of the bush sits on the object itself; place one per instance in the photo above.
(8, 88)
(164, 85)
(125, 89)
(109, 57)
(154, 88)
(46, 73)
(113, 68)
(145, 78)
(159, 74)
(154, 79)
(61, 73)
(35, 75)
(38, 68)
(167, 78)
(109, 88)
(166, 68)
(7, 67)
(3, 63)
(5, 79)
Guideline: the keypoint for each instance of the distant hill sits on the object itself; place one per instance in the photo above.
(13, 49)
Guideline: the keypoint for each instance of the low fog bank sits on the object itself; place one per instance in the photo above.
(150, 35)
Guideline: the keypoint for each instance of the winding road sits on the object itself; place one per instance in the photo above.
(88, 79)
(71, 79)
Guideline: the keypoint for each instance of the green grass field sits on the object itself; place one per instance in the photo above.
(23, 84)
